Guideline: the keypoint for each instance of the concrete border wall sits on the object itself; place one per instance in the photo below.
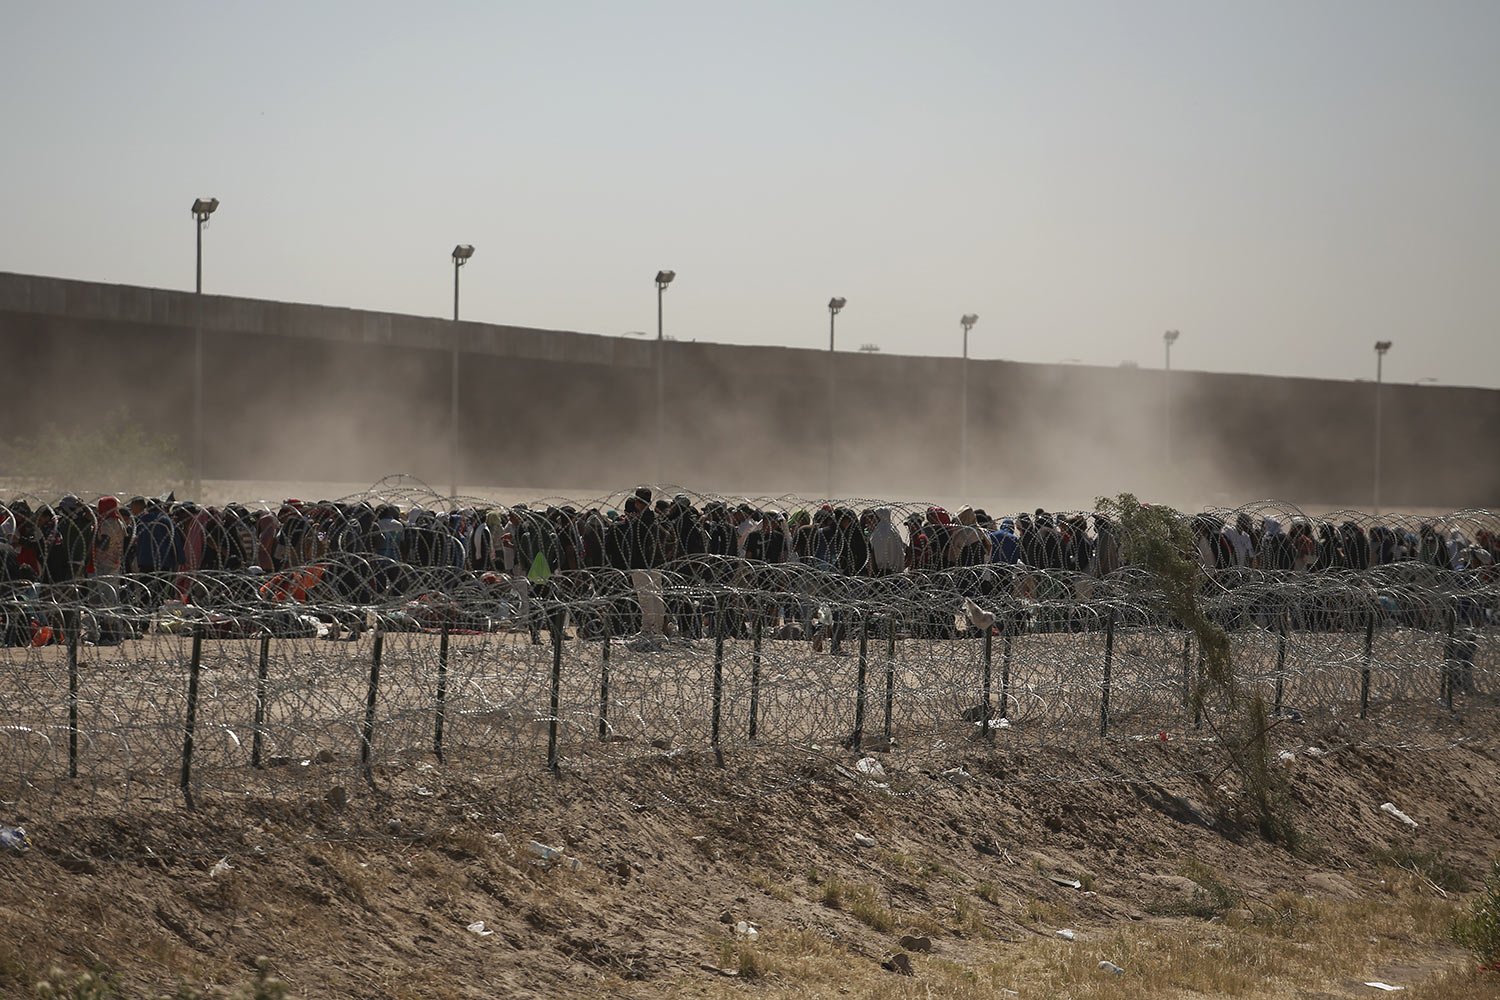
(314, 392)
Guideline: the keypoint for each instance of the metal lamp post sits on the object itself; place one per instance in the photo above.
(967, 321)
(202, 209)
(1381, 346)
(1168, 339)
(461, 255)
(663, 279)
(835, 306)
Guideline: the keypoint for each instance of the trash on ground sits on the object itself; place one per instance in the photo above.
(477, 927)
(543, 851)
(1065, 882)
(1390, 809)
(870, 767)
(747, 931)
(13, 838)
(1387, 987)
(221, 867)
(1111, 968)
(957, 775)
(1067, 934)
(864, 840)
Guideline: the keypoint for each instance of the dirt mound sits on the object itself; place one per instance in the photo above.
(648, 879)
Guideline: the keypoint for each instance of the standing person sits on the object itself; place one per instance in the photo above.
(75, 525)
(887, 551)
(851, 557)
(157, 547)
(643, 551)
(109, 550)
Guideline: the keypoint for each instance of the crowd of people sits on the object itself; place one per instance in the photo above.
(72, 541)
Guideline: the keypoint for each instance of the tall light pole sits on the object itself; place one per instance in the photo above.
(835, 306)
(202, 209)
(1168, 339)
(461, 255)
(663, 279)
(1381, 346)
(967, 321)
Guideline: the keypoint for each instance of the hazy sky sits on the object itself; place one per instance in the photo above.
(1284, 182)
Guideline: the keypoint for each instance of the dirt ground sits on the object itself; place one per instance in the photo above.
(368, 892)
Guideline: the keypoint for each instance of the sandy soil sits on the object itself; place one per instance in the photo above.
(368, 890)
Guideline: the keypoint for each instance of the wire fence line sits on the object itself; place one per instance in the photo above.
(351, 670)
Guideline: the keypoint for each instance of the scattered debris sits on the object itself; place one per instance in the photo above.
(869, 767)
(477, 927)
(1065, 882)
(1066, 934)
(957, 776)
(1111, 968)
(1286, 757)
(746, 931)
(221, 867)
(726, 973)
(543, 851)
(1391, 810)
(1386, 987)
(864, 840)
(13, 838)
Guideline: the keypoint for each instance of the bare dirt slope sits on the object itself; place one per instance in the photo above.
(371, 893)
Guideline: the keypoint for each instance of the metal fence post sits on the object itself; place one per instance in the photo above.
(73, 620)
(1280, 662)
(1010, 627)
(890, 673)
(1364, 673)
(441, 714)
(755, 656)
(858, 736)
(556, 621)
(1109, 659)
(603, 676)
(262, 672)
(984, 705)
(191, 721)
(367, 731)
(1450, 660)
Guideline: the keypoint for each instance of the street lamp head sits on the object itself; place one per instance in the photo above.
(1381, 346)
(968, 320)
(204, 207)
(1171, 336)
(836, 304)
(664, 278)
(462, 253)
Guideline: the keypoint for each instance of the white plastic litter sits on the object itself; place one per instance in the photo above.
(221, 867)
(746, 931)
(1066, 934)
(543, 851)
(1390, 809)
(477, 927)
(1286, 756)
(1111, 968)
(1387, 987)
(864, 840)
(13, 838)
(869, 767)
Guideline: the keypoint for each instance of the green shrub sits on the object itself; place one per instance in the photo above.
(1479, 929)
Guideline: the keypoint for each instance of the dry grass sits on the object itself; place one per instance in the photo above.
(1290, 947)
